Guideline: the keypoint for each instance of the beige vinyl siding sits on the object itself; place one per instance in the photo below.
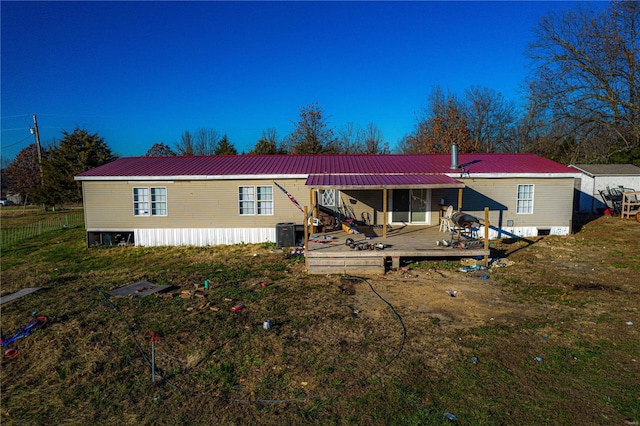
(552, 201)
(190, 204)
(369, 202)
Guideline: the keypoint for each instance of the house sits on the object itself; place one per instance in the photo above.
(603, 180)
(157, 201)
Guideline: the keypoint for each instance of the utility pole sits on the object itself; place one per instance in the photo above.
(37, 133)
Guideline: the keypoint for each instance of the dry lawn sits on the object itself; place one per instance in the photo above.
(392, 349)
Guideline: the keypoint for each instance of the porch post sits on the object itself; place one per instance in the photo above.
(384, 211)
(306, 239)
(314, 213)
(314, 200)
(486, 236)
(460, 199)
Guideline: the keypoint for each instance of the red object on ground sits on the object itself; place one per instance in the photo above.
(607, 212)
(152, 336)
(237, 308)
(10, 353)
(264, 284)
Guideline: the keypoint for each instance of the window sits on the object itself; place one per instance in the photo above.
(141, 201)
(328, 197)
(158, 201)
(247, 199)
(145, 206)
(265, 200)
(525, 199)
(255, 200)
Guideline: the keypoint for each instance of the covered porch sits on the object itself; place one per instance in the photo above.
(329, 253)
(404, 222)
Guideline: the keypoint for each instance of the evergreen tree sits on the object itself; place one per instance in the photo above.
(225, 147)
(77, 152)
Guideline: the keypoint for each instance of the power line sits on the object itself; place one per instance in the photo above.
(13, 116)
(17, 143)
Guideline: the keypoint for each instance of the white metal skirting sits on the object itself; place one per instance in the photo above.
(524, 231)
(203, 236)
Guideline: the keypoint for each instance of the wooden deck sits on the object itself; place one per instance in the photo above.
(328, 252)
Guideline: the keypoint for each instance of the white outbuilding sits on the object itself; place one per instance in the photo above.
(601, 182)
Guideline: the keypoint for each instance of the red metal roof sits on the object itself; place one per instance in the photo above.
(389, 181)
(245, 165)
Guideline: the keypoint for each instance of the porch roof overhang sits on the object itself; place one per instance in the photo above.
(382, 181)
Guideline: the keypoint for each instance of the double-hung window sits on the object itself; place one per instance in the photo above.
(265, 200)
(524, 203)
(149, 201)
(254, 200)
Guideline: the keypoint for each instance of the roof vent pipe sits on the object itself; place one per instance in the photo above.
(454, 156)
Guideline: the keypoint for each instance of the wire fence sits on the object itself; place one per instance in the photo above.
(15, 235)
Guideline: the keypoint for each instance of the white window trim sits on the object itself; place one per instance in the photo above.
(259, 201)
(533, 191)
(335, 195)
(166, 201)
(150, 202)
(255, 201)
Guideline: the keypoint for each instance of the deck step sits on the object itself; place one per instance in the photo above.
(347, 265)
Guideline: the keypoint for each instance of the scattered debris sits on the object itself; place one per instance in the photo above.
(18, 294)
(237, 308)
(539, 358)
(36, 323)
(363, 245)
(474, 359)
(629, 323)
(472, 268)
(138, 289)
(296, 252)
(450, 416)
(322, 239)
(266, 325)
(452, 293)
(500, 263)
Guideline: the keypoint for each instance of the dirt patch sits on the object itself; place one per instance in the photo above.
(425, 296)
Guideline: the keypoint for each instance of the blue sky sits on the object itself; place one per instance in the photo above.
(138, 73)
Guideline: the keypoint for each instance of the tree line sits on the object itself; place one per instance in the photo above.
(581, 107)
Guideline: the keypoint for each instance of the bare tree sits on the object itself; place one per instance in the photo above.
(586, 81)
(491, 119)
(185, 145)
(312, 134)
(160, 150)
(206, 141)
(442, 123)
(350, 139)
(23, 174)
(374, 142)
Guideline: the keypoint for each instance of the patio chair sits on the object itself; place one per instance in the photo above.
(446, 224)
